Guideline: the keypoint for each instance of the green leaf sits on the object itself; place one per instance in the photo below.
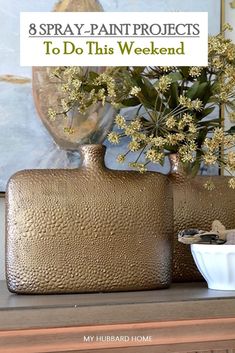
(138, 70)
(192, 92)
(208, 111)
(185, 71)
(195, 167)
(149, 87)
(201, 137)
(93, 75)
(175, 76)
(231, 131)
(174, 95)
(149, 95)
(131, 102)
(202, 90)
(204, 76)
(208, 122)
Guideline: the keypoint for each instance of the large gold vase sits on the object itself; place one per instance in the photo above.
(89, 229)
(196, 207)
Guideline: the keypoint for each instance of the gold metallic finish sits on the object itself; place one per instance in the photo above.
(232, 4)
(78, 5)
(196, 207)
(222, 14)
(88, 230)
(18, 80)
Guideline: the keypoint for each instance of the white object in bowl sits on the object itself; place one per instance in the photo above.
(216, 264)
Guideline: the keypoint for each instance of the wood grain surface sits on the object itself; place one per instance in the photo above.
(164, 335)
(188, 318)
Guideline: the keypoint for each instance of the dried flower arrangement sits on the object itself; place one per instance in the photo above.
(173, 108)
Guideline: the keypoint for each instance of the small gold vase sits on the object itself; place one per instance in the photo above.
(196, 207)
(89, 229)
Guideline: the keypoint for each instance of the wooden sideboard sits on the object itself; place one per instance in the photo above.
(184, 318)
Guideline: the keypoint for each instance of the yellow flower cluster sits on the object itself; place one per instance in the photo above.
(232, 117)
(232, 183)
(231, 161)
(69, 130)
(221, 64)
(163, 84)
(157, 141)
(187, 152)
(227, 27)
(141, 167)
(135, 91)
(167, 68)
(113, 137)
(174, 139)
(173, 107)
(213, 144)
(134, 146)
(181, 134)
(52, 114)
(121, 158)
(120, 121)
(195, 71)
(154, 156)
(210, 159)
(209, 185)
(108, 80)
(81, 89)
(191, 104)
(171, 122)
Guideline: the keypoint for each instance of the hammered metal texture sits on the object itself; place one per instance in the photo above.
(196, 207)
(88, 230)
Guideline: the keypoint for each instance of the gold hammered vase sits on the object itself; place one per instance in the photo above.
(89, 229)
(196, 207)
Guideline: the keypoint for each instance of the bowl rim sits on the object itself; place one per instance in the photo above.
(213, 247)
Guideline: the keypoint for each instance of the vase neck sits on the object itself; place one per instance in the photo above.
(92, 156)
(175, 164)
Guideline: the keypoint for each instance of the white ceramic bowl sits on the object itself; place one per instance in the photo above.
(216, 264)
